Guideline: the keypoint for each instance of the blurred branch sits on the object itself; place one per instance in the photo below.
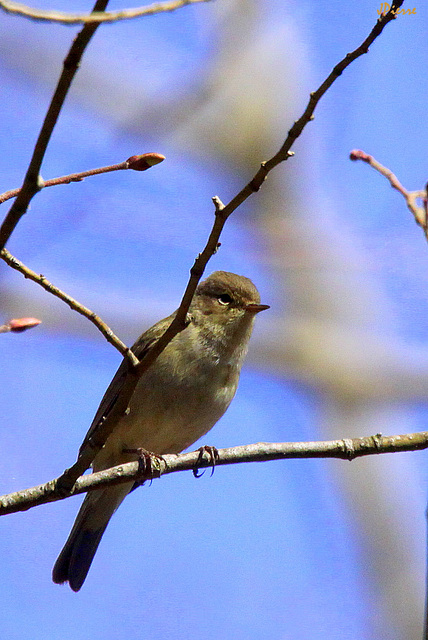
(346, 449)
(18, 325)
(420, 213)
(33, 182)
(100, 434)
(138, 163)
(76, 306)
(95, 17)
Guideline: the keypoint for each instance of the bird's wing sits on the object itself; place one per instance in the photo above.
(139, 348)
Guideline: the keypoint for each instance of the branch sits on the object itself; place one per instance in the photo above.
(73, 304)
(308, 115)
(95, 17)
(138, 163)
(346, 449)
(33, 182)
(420, 213)
(222, 212)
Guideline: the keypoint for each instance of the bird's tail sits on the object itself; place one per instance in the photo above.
(76, 557)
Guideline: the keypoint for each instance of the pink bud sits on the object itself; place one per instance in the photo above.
(145, 161)
(22, 324)
(357, 154)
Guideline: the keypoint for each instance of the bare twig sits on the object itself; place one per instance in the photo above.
(138, 163)
(222, 212)
(346, 449)
(420, 213)
(90, 448)
(33, 182)
(73, 304)
(98, 17)
(308, 115)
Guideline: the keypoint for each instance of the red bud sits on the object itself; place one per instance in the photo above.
(357, 154)
(145, 161)
(22, 324)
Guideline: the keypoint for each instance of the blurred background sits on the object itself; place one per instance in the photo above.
(293, 549)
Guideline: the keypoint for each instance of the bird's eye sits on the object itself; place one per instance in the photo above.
(224, 299)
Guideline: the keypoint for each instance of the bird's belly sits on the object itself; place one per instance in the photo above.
(167, 422)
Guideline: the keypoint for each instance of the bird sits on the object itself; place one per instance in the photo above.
(177, 400)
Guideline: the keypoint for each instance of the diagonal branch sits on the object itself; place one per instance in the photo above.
(308, 115)
(99, 17)
(222, 212)
(346, 449)
(33, 182)
(73, 304)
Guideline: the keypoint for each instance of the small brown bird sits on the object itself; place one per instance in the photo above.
(176, 401)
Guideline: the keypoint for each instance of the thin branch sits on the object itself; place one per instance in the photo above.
(138, 163)
(308, 115)
(222, 212)
(98, 17)
(33, 182)
(73, 304)
(420, 213)
(346, 449)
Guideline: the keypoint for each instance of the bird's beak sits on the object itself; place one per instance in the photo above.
(256, 308)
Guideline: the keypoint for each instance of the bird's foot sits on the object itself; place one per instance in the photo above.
(149, 464)
(213, 456)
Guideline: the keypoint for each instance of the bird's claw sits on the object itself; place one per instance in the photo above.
(149, 464)
(213, 456)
